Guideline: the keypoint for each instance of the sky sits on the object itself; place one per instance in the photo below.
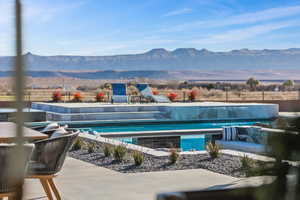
(110, 27)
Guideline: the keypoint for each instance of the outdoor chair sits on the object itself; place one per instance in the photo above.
(119, 93)
(8, 181)
(47, 160)
(147, 93)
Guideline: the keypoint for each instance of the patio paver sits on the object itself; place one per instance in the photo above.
(80, 181)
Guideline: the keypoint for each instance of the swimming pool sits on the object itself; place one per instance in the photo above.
(163, 126)
(186, 142)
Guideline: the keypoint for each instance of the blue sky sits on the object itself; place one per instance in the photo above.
(107, 27)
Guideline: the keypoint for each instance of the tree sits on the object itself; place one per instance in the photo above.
(288, 84)
(252, 82)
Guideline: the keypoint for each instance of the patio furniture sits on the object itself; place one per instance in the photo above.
(147, 93)
(229, 133)
(47, 160)
(8, 181)
(9, 134)
(243, 146)
(245, 138)
(119, 93)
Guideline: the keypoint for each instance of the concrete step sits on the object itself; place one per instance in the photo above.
(52, 116)
(97, 108)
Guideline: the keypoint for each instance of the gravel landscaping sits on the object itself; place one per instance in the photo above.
(224, 164)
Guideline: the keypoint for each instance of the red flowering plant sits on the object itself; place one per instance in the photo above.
(155, 92)
(192, 95)
(100, 97)
(77, 97)
(172, 96)
(56, 96)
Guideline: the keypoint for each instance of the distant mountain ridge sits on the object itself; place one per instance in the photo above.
(162, 59)
(166, 75)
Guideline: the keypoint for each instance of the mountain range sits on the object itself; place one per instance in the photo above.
(163, 60)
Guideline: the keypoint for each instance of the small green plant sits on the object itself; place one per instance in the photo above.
(138, 158)
(174, 155)
(108, 150)
(213, 150)
(120, 152)
(78, 145)
(250, 167)
(247, 162)
(92, 148)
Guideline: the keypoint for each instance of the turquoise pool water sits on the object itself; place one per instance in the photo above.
(162, 126)
(187, 142)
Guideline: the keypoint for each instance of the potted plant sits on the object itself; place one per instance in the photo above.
(77, 97)
(100, 97)
(192, 95)
(172, 96)
(155, 92)
(56, 96)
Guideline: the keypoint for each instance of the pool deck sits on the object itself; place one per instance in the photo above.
(81, 181)
(176, 104)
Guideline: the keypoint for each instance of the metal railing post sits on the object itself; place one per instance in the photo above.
(19, 75)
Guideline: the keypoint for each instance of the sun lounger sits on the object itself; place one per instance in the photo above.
(119, 93)
(147, 93)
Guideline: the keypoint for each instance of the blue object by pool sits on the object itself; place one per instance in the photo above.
(119, 89)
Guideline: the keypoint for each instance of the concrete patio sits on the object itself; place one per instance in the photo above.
(81, 181)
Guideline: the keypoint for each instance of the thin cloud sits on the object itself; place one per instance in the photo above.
(178, 12)
(248, 18)
(245, 33)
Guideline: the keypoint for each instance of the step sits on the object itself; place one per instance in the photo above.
(96, 108)
(51, 116)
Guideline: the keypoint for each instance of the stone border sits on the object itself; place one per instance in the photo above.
(157, 153)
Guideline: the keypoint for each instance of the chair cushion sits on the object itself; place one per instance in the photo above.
(229, 133)
(120, 99)
(50, 127)
(59, 132)
(242, 146)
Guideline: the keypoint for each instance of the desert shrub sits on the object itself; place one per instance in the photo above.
(77, 97)
(100, 97)
(213, 149)
(237, 93)
(120, 152)
(56, 96)
(132, 90)
(172, 96)
(210, 93)
(108, 150)
(254, 168)
(138, 157)
(246, 162)
(174, 155)
(92, 147)
(77, 145)
(215, 93)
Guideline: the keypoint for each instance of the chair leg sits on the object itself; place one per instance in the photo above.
(46, 188)
(54, 188)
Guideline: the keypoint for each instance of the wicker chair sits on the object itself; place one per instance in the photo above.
(8, 181)
(47, 160)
